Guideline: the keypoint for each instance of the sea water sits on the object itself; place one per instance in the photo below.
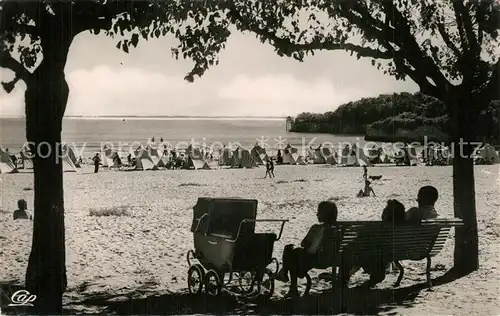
(87, 135)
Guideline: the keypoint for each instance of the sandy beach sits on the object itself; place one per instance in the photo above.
(142, 254)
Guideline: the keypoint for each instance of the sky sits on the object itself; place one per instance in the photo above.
(250, 80)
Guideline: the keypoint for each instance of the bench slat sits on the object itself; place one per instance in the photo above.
(375, 238)
(375, 241)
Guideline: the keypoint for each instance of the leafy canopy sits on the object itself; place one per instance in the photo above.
(198, 25)
(441, 45)
(438, 44)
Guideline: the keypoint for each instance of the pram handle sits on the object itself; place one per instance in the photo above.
(283, 221)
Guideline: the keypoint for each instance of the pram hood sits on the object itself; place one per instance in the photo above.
(223, 215)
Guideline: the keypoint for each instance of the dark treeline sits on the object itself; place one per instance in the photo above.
(389, 113)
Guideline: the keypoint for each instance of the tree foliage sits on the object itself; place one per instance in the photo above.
(199, 27)
(354, 117)
(390, 113)
(441, 45)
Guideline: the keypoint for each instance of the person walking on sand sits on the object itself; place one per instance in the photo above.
(268, 166)
(97, 160)
(271, 167)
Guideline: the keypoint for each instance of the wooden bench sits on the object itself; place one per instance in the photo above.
(365, 241)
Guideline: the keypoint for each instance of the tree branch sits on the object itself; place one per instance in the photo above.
(447, 40)
(6, 61)
(423, 83)
(420, 60)
(16, 28)
(93, 15)
(460, 26)
(287, 46)
(467, 22)
(491, 91)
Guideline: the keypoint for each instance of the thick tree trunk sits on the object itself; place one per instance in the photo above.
(46, 96)
(466, 238)
(466, 256)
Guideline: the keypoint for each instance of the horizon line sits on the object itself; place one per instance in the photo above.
(158, 116)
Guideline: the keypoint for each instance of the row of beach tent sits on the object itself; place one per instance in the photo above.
(69, 159)
(150, 158)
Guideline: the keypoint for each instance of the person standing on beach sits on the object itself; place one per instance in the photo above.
(97, 160)
(268, 170)
(271, 167)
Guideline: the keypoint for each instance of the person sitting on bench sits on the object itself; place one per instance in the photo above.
(311, 254)
(393, 213)
(427, 197)
(21, 212)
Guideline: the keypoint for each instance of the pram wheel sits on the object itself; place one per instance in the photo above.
(308, 284)
(212, 283)
(266, 285)
(196, 276)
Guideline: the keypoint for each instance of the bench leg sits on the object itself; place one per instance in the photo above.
(401, 273)
(339, 288)
(428, 274)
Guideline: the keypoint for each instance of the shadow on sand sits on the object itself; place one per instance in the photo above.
(6, 290)
(356, 300)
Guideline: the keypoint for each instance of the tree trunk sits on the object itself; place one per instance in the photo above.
(466, 238)
(46, 96)
(466, 255)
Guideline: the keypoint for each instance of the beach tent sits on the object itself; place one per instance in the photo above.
(488, 155)
(348, 157)
(331, 160)
(326, 155)
(196, 164)
(143, 159)
(107, 156)
(156, 155)
(318, 156)
(291, 149)
(69, 151)
(225, 157)
(440, 155)
(310, 154)
(288, 159)
(242, 158)
(6, 164)
(354, 156)
(68, 164)
(25, 156)
(259, 154)
(193, 152)
(361, 158)
(412, 155)
(375, 154)
(290, 154)
(299, 159)
(323, 155)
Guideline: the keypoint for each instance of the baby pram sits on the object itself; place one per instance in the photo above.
(225, 244)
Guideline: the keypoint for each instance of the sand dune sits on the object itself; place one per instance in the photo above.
(144, 250)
